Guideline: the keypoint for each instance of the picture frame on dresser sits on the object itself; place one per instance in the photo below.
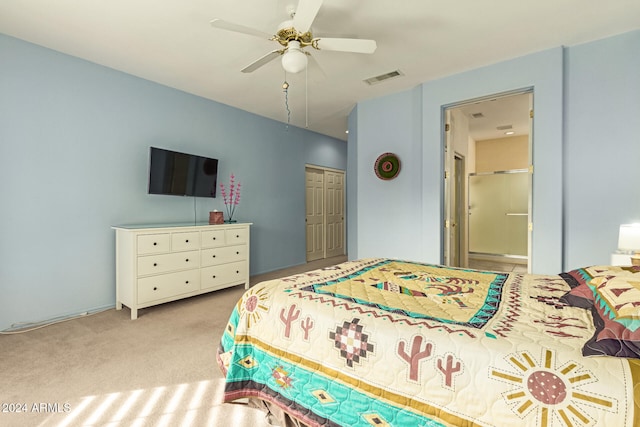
(156, 263)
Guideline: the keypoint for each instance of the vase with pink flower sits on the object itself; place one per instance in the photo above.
(231, 197)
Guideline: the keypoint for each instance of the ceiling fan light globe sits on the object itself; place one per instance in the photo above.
(294, 61)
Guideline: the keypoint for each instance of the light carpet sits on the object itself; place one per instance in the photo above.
(108, 370)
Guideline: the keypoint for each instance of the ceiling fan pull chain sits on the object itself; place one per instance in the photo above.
(285, 89)
(306, 98)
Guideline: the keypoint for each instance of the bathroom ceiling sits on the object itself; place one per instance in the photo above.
(492, 118)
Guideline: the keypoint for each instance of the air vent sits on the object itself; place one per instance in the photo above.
(383, 77)
(477, 115)
(504, 127)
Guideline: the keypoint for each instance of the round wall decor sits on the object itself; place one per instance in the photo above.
(387, 166)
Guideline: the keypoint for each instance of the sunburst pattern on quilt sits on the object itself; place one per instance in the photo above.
(381, 342)
(548, 389)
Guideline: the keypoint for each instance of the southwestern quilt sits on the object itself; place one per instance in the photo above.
(382, 342)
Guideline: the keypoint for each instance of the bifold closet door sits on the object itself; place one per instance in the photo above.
(334, 211)
(315, 213)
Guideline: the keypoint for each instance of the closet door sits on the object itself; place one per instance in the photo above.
(334, 196)
(315, 213)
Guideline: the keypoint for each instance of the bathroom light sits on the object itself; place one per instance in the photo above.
(510, 132)
(294, 60)
(629, 241)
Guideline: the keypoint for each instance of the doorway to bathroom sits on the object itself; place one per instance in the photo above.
(488, 182)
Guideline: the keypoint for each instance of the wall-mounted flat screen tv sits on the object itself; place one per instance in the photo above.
(181, 174)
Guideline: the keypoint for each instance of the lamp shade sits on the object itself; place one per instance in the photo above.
(294, 60)
(629, 237)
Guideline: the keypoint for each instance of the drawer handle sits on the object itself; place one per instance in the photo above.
(155, 288)
(186, 260)
(214, 256)
(237, 272)
(186, 241)
(237, 236)
(187, 282)
(154, 243)
(214, 238)
(155, 264)
(237, 252)
(214, 276)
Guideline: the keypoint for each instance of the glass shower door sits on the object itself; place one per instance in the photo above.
(498, 213)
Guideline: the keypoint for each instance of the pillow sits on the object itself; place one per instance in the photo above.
(580, 296)
(618, 298)
(582, 293)
(616, 317)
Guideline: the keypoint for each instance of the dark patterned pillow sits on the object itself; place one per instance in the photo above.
(582, 293)
(616, 316)
(612, 339)
(580, 296)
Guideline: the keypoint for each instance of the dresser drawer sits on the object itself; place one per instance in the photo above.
(167, 285)
(212, 238)
(215, 256)
(185, 241)
(235, 236)
(154, 264)
(153, 243)
(220, 275)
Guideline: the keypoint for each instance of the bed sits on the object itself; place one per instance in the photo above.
(383, 342)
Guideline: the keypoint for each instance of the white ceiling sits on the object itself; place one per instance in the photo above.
(492, 118)
(171, 42)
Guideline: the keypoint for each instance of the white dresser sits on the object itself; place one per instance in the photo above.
(161, 263)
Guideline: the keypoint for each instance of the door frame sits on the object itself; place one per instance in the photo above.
(460, 207)
(449, 154)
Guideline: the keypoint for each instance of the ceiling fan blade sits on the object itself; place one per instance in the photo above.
(346, 45)
(314, 65)
(262, 61)
(305, 14)
(237, 28)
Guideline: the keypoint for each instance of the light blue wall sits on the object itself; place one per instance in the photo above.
(74, 141)
(586, 152)
(602, 146)
(412, 128)
(352, 184)
(388, 216)
(543, 72)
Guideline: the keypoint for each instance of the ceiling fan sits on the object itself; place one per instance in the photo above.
(294, 35)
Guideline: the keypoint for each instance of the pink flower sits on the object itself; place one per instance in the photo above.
(232, 198)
